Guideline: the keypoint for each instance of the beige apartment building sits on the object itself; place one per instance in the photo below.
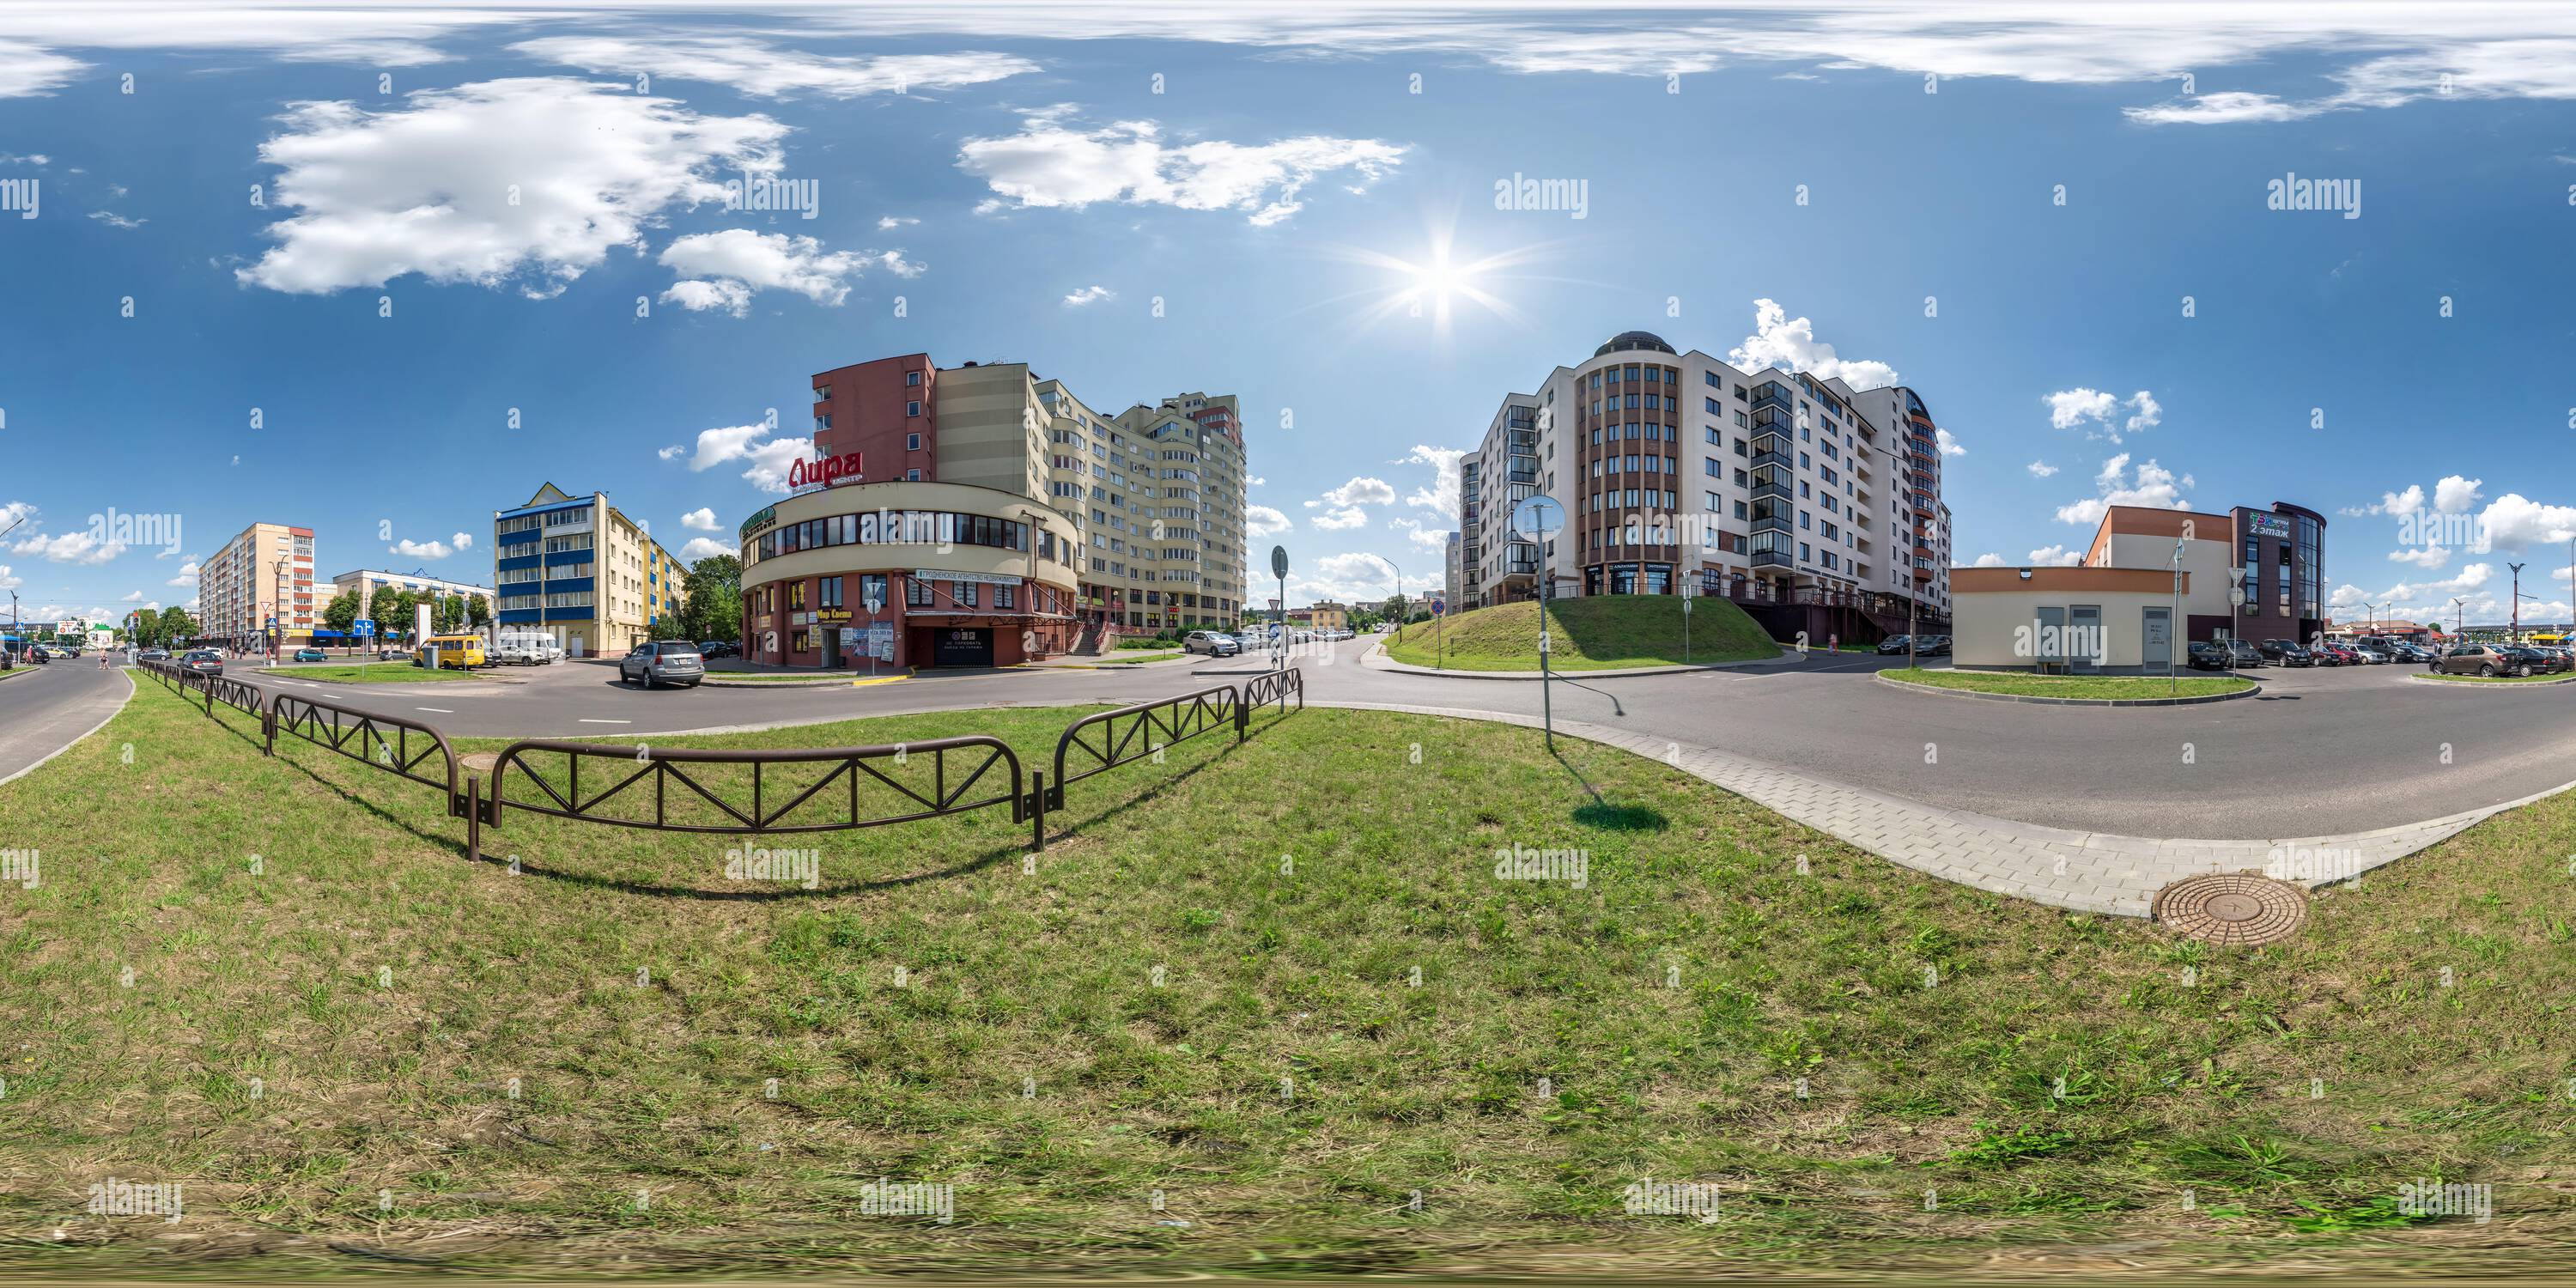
(579, 570)
(257, 591)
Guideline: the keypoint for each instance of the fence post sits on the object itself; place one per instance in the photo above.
(473, 818)
(1037, 809)
(1241, 721)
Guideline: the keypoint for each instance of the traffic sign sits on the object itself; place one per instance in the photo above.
(1538, 516)
(1279, 561)
(363, 626)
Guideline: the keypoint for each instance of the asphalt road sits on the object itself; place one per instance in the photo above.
(51, 707)
(2322, 751)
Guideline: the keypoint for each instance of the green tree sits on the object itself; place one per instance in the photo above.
(478, 611)
(176, 625)
(447, 614)
(340, 612)
(391, 611)
(713, 610)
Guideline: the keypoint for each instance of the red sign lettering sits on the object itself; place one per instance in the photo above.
(827, 472)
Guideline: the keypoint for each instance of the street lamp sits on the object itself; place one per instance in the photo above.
(1399, 589)
(2514, 631)
(2459, 617)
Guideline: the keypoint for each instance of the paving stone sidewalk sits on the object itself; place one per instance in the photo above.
(2084, 871)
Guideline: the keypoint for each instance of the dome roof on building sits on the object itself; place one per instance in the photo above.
(1626, 340)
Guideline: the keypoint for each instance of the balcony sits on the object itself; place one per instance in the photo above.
(1777, 490)
(1773, 523)
(1774, 394)
(1773, 559)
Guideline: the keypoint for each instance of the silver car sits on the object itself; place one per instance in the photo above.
(663, 662)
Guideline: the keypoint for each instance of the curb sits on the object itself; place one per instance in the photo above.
(16, 671)
(2071, 702)
(2465, 682)
(1377, 659)
(131, 688)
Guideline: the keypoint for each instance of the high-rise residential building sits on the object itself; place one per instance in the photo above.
(578, 569)
(1451, 549)
(1151, 502)
(257, 591)
(1773, 488)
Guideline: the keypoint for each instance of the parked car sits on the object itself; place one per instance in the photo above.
(1212, 643)
(2372, 653)
(311, 655)
(719, 648)
(2206, 655)
(663, 662)
(2243, 655)
(2481, 659)
(513, 652)
(2565, 655)
(2331, 654)
(2405, 652)
(2288, 653)
(1893, 644)
(2535, 661)
(153, 655)
(204, 661)
(1933, 646)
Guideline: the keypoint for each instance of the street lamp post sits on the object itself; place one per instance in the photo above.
(2459, 617)
(2173, 621)
(2513, 632)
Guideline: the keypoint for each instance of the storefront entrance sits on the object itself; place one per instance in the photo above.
(962, 646)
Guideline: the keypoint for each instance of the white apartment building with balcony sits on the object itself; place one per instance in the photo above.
(1763, 485)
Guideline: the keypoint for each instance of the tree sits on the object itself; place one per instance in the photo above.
(713, 610)
(478, 611)
(341, 613)
(447, 616)
(176, 625)
(391, 611)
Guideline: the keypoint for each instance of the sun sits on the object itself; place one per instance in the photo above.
(1436, 284)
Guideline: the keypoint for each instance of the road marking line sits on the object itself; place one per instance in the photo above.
(440, 710)
(608, 722)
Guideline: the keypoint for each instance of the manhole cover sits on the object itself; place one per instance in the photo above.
(2235, 909)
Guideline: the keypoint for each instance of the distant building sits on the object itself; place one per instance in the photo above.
(578, 570)
(257, 590)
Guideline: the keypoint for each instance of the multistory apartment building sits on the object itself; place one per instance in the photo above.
(1765, 486)
(1155, 492)
(257, 591)
(1450, 568)
(578, 569)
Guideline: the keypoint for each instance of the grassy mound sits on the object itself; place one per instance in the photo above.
(1594, 633)
(473, 1066)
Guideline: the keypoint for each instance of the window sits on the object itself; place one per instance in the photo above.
(916, 592)
(1005, 596)
(966, 594)
(827, 593)
(795, 595)
(912, 442)
(912, 379)
(912, 408)
(912, 476)
(1711, 404)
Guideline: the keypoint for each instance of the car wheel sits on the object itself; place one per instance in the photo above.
(2487, 671)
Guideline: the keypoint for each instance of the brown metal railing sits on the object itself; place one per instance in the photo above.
(956, 769)
(362, 737)
(1132, 733)
(1276, 686)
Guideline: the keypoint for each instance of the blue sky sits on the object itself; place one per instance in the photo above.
(1249, 200)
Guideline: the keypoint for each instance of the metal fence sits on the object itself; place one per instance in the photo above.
(687, 789)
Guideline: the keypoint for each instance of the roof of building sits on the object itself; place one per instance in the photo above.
(1647, 341)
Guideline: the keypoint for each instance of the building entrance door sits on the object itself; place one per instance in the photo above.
(2084, 637)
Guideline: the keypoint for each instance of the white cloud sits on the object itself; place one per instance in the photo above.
(2513, 522)
(2391, 503)
(1341, 519)
(115, 220)
(2056, 557)
(1089, 295)
(462, 541)
(530, 180)
(1262, 521)
(1989, 560)
(2454, 495)
(2040, 469)
(721, 270)
(2221, 108)
(703, 548)
(2425, 557)
(1435, 539)
(1359, 491)
(187, 575)
(756, 70)
(770, 460)
(671, 453)
(896, 221)
(1446, 482)
(1791, 344)
(71, 548)
(2154, 486)
(132, 597)
(2094, 411)
(702, 519)
(717, 446)
(1949, 446)
(1053, 162)
(410, 549)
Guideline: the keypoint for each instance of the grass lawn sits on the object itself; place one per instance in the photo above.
(1278, 983)
(366, 673)
(2072, 686)
(1130, 659)
(1593, 633)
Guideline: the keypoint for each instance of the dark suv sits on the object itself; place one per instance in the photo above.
(2288, 653)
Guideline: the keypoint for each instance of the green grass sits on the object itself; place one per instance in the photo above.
(1594, 633)
(367, 673)
(2071, 686)
(1730, 999)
